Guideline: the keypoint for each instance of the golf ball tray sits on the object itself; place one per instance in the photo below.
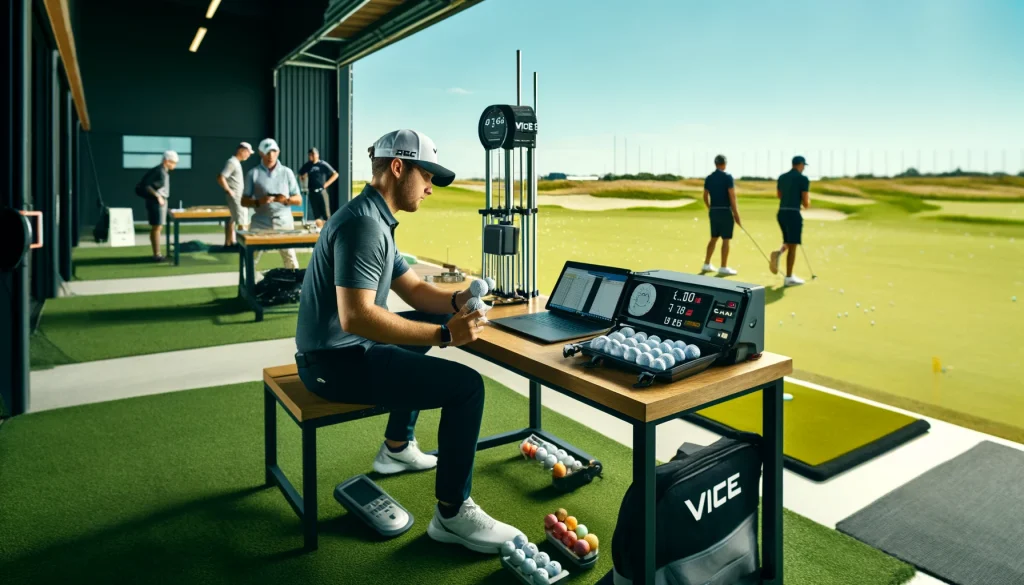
(513, 557)
(556, 529)
(584, 562)
(573, 472)
(647, 374)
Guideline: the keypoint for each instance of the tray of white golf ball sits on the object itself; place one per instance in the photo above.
(529, 564)
(655, 358)
(559, 462)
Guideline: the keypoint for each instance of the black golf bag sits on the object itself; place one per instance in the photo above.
(706, 530)
(280, 286)
(101, 231)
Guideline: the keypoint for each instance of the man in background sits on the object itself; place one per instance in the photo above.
(318, 176)
(720, 199)
(793, 191)
(231, 179)
(155, 188)
(271, 189)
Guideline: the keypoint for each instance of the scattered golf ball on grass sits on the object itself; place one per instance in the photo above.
(834, 328)
(787, 396)
(872, 323)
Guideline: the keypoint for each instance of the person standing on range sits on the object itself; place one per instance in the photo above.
(155, 188)
(271, 189)
(231, 179)
(319, 176)
(720, 199)
(794, 192)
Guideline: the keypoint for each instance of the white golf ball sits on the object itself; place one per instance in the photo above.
(599, 342)
(630, 342)
(665, 347)
(517, 558)
(858, 305)
(865, 311)
(656, 352)
(640, 337)
(660, 365)
(631, 354)
(507, 548)
(872, 307)
(792, 314)
(541, 577)
(692, 352)
(627, 331)
(668, 341)
(617, 337)
(841, 291)
(669, 359)
(787, 397)
(644, 360)
(834, 328)
(680, 344)
(554, 568)
(1014, 299)
(872, 323)
(550, 462)
(542, 559)
(490, 282)
(643, 347)
(529, 566)
(847, 314)
(577, 465)
(619, 350)
(566, 460)
(541, 454)
(654, 339)
(479, 288)
(780, 322)
(679, 354)
(477, 304)
(839, 315)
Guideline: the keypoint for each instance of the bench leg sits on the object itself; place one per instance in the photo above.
(309, 512)
(269, 435)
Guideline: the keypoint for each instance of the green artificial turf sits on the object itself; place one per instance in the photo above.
(137, 262)
(88, 328)
(169, 489)
(932, 288)
(819, 426)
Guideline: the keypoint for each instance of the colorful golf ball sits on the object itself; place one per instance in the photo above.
(592, 541)
(581, 531)
(549, 522)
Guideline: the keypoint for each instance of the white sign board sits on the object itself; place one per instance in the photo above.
(122, 227)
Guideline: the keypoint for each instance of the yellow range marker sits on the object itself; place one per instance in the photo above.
(936, 365)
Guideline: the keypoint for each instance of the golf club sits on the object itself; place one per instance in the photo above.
(755, 243)
(808, 260)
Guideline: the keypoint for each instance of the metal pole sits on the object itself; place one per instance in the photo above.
(487, 206)
(535, 219)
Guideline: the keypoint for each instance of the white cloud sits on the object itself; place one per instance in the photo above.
(459, 91)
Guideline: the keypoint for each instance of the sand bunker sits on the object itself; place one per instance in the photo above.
(823, 214)
(591, 203)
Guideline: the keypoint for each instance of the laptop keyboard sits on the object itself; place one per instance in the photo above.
(560, 323)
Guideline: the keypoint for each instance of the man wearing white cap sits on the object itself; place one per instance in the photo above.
(271, 189)
(352, 349)
(155, 188)
(231, 179)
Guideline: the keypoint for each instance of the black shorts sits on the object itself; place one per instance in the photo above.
(156, 213)
(792, 224)
(721, 223)
(318, 204)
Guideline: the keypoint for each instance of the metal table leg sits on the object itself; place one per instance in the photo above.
(250, 284)
(167, 236)
(643, 485)
(177, 241)
(309, 511)
(771, 523)
(269, 434)
(535, 405)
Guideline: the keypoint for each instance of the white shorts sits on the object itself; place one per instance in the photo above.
(239, 214)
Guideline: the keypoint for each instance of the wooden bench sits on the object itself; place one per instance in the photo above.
(282, 386)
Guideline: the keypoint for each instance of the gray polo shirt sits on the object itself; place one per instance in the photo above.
(280, 181)
(232, 174)
(356, 249)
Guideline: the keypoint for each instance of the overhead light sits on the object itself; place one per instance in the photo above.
(199, 39)
(213, 8)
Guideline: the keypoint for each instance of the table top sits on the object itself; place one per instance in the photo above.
(613, 388)
(272, 238)
(210, 212)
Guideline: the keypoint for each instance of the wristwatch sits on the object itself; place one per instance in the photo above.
(446, 336)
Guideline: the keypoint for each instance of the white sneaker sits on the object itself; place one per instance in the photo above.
(408, 459)
(472, 528)
(726, 271)
(793, 281)
(707, 268)
(773, 264)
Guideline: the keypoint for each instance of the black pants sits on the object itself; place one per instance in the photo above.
(318, 204)
(405, 380)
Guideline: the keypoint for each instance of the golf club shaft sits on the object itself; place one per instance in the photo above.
(755, 242)
(808, 260)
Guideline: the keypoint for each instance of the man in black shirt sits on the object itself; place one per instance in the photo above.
(319, 176)
(720, 199)
(793, 191)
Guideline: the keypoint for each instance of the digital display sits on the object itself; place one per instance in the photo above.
(588, 292)
(362, 491)
(671, 307)
(492, 128)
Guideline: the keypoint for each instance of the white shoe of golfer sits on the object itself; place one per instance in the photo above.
(707, 268)
(472, 528)
(794, 281)
(408, 459)
(726, 271)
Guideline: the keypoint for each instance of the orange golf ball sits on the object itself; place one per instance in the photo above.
(559, 471)
(592, 541)
(571, 523)
(561, 514)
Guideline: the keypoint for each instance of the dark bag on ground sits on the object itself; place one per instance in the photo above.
(101, 231)
(280, 286)
(707, 502)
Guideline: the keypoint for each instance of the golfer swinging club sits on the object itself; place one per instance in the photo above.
(793, 191)
(352, 349)
(720, 199)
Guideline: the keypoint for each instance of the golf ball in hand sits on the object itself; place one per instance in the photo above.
(627, 331)
(479, 288)
(669, 359)
(477, 304)
(640, 337)
(679, 354)
(631, 354)
(665, 347)
(653, 339)
(645, 360)
(490, 282)
(599, 342)
(692, 352)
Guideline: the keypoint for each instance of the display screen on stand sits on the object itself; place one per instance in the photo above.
(669, 307)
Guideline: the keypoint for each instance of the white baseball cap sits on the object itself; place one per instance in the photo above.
(268, 144)
(417, 147)
(246, 146)
(171, 156)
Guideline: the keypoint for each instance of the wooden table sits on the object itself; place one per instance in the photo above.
(611, 391)
(199, 215)
(251, 242)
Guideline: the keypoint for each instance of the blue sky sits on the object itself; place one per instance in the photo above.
(868, 82)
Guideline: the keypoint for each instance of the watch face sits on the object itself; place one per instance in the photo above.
(642, 299)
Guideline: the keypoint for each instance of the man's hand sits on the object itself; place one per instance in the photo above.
(160, 200)
(281, 198)
(263, 200)
(465, 327)
(736, 218)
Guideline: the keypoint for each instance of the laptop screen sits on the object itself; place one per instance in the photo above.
(589, 291)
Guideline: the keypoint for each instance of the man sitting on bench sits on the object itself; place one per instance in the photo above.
(353, 350)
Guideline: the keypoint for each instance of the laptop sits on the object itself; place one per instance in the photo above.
(584, 303)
